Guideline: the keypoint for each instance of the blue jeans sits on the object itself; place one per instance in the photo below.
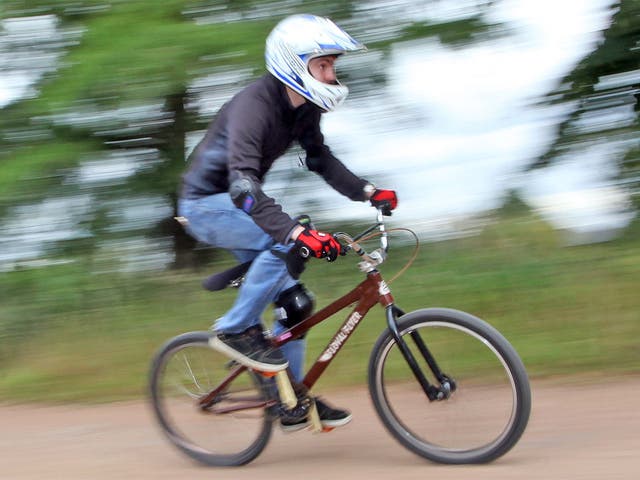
(216, 221)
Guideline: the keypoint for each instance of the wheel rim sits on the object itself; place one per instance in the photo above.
(480, 414)
(187, 373)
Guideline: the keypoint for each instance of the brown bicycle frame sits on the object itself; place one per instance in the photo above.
(371, 291)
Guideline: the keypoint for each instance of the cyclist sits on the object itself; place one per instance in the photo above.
(225, 206)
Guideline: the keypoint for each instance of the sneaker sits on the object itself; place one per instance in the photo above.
(329, 418)
(250, 348)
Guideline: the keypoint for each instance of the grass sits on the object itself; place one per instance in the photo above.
(67, 335)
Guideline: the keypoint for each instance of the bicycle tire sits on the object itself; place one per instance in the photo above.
(216, 439)
(468, 350)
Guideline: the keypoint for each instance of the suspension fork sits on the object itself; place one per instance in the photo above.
(432, 392)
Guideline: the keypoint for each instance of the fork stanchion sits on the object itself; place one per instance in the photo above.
(287, 395)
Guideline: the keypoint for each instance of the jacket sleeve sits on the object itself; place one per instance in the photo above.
(247, 127)
(321, 160)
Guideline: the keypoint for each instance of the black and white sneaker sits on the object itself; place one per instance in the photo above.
(329, 418)
(250, 348)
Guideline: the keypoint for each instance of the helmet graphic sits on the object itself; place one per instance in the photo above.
(296, 40)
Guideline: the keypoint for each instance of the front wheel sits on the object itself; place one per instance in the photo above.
(234, 427)
(486, 409)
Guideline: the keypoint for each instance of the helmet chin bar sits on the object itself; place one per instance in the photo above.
(326, 96)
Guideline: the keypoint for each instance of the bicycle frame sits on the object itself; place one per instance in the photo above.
(237, 388)
(371, 291)
(368, 293)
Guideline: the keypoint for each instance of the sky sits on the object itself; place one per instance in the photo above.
(474, 124)
(14, 82)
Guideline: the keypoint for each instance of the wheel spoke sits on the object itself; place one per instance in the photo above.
(234, 426)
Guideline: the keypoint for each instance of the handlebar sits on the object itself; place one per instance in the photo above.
(351, 242)
(370, 260)
(297, 257)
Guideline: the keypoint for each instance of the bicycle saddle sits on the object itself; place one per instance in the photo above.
(231, 277)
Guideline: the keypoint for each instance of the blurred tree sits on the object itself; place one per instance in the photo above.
(513, 206)
(127, 85)
(603, 91)
(123, 85)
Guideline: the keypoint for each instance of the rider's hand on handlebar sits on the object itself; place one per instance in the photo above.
(318, 244)
(385, 200)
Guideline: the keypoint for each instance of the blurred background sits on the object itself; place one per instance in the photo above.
(509, 128)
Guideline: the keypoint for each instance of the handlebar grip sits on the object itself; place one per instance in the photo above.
(296, 259)
(385, 208)
(297, 256)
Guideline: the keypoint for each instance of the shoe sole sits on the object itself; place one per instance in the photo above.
(324, 423)
(220, 346)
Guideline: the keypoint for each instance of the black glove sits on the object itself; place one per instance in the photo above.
(385, 200)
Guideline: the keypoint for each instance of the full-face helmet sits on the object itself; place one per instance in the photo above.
(298, 39)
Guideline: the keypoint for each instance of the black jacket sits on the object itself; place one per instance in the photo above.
(248, 134)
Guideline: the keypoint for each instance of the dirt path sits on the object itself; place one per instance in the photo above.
(577, 431)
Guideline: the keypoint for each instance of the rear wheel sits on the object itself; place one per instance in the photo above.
(234, 429)
(490, 399)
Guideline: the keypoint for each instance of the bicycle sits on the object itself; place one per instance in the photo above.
(447, 385)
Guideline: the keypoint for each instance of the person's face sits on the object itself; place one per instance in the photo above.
(323, 69)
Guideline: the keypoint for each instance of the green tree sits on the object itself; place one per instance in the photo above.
(124, 85)
(127, 84)
(604, 91)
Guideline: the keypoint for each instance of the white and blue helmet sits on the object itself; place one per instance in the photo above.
(296, 40)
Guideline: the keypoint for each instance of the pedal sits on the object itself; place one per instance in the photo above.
(299, 412)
